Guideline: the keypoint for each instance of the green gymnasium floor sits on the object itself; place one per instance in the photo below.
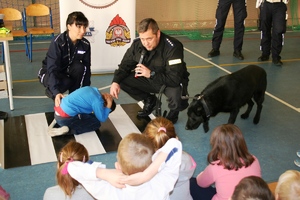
(274, 141)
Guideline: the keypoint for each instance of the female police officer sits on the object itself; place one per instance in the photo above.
(67, 65)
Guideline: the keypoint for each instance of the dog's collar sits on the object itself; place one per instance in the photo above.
(206, 109)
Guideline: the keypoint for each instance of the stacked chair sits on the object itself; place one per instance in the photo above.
(14, 20)
(35, 24)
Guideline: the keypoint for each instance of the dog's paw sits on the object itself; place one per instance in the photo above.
(244, 116)
(256, 120)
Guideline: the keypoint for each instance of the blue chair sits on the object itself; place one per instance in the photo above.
(37, 12)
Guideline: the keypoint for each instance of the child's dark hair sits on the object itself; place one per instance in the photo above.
(229, 148)
(252, 187)
(113, 106)
(78, 18)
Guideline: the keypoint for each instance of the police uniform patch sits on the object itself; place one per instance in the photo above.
(175, 61)
(80, 52)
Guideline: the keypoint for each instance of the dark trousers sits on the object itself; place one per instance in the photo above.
(273, 27)
(140, 88)
(240, 14)
(80, 123)
(199, 193)
(77, 76)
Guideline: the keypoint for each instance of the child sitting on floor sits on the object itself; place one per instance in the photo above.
(229, 161)
(252, 188)
(288, 186)
(134, 156)
(160, 130)
(68, 188)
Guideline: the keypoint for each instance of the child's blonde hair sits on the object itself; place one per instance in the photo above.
(72, 151)
(134, 153)
(160, 130)
(288, 186)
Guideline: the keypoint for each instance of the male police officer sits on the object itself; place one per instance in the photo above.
(153, 61)
(272, 16)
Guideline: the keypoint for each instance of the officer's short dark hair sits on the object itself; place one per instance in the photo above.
(78, 18)
(146, 24)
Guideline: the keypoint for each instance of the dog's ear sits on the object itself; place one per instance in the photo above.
(199, 109)
(205, 126)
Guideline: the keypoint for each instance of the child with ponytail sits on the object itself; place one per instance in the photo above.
(160, 130)
(68, 188)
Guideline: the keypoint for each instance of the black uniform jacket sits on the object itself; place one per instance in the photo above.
(58, 57)
(166, 60)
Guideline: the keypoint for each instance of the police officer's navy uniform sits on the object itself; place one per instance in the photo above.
(240, 14)
(67, 66)
(273, 14)
(166, 60)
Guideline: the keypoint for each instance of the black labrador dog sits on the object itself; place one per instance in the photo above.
(228, 94)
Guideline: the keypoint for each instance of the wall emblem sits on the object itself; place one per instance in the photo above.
(117, 34)
(98, 4)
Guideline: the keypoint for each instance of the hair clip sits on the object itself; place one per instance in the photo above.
(162, 129)
(64, 170)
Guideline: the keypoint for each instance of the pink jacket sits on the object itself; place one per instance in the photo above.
(225, 180)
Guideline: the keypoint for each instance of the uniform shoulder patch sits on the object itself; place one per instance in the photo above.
(175, 61)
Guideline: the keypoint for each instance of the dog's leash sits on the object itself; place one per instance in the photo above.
(158, 103)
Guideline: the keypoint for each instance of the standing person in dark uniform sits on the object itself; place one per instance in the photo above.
(272, 16)
(240, 14)
(162, 65)
(67, 65)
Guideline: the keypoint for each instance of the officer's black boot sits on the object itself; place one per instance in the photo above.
(173, 116)
(3, 115)
(213, 53)
(149, 104)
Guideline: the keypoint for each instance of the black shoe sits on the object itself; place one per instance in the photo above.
(238, 55)
(213, 53)
(149, 105)
(173, 116)
(3, 115)
(263, 58)
(184, 104)
(49, 94)
(277, 61)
